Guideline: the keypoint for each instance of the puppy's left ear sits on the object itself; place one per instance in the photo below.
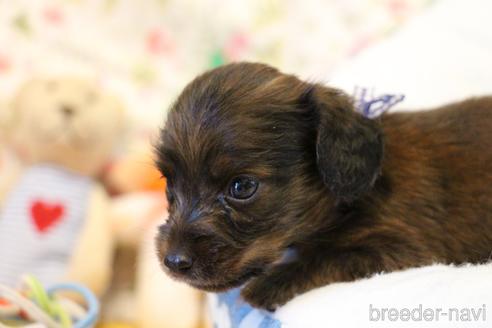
(349, 146)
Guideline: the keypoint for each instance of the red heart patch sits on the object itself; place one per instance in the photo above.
(46, 215)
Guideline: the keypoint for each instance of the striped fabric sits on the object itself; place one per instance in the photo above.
(40, 222)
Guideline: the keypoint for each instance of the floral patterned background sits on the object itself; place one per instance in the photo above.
(147, 50)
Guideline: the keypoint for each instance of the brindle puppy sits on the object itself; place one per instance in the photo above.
(279, 186)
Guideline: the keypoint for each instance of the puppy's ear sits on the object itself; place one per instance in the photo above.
(349, 146)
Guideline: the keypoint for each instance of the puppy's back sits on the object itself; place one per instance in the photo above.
(440, 163)
(457, 136)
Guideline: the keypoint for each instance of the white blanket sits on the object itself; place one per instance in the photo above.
(435, 296)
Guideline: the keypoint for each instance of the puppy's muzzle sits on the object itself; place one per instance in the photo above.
(178, 262)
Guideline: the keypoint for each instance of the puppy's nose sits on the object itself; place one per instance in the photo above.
(178, 262)
(67, 110)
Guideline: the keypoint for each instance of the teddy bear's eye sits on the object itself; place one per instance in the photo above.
(243, 187)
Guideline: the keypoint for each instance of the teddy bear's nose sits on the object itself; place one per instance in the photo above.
(67, 110)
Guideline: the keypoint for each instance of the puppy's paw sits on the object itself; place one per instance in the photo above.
(267, 293)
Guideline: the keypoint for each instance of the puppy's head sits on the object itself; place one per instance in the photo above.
(255, 159)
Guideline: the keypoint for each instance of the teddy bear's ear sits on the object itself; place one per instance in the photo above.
(10, 108)
(6, 119)
(119, 110)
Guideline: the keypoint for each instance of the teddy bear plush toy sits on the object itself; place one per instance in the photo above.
(54, 219)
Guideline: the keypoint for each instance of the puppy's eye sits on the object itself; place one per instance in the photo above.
(243, 187)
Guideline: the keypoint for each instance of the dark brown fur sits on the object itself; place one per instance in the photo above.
(341, 197)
